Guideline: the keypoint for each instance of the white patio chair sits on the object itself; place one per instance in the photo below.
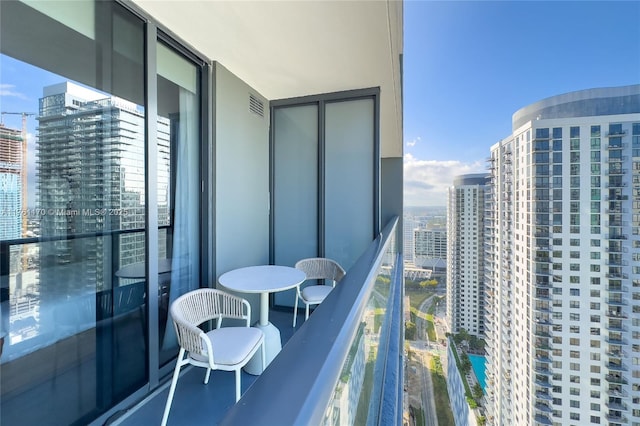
(223, 348)
(316, 268)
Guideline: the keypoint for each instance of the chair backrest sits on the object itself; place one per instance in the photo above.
(198, 306)
(321, 268)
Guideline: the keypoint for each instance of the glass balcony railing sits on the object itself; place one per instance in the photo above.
(344, 365)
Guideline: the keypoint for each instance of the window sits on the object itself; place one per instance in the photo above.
(574, 132)
(92, 124)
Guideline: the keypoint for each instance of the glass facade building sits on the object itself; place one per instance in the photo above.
(10, 182)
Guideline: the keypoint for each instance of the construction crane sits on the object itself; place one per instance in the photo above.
(23, 174)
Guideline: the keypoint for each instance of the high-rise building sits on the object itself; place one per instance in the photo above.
(430, 248)
(99, 187)
(563, 262)
(10, 183)
(465, 254)
(410, 224)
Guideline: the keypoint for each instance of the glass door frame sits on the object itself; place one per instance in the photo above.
(320, 101)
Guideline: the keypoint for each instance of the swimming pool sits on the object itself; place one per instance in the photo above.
(477, 363)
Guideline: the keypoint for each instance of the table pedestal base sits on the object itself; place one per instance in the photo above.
(272, 345)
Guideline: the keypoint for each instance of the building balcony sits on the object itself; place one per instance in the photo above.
(542, 296)
(545, 408)
(327, 328)
(616, 326)
(621, 406)
(616, 288)
(544, 395)
(616, 378)
(617, 392)
(542, 357)
(541, 419)
(542, 370)
(544, 384)
(616, 314)
(616, 417)
(615, 366)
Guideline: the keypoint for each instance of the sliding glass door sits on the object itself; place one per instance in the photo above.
(99, 183)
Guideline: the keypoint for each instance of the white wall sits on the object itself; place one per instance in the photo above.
(242, 178)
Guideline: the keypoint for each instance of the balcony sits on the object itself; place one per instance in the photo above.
(615, 366)
(617, 392)
(616, 405)
(542, 420)
(616, 378)
(543, 407)
(616, 417)
(332, 366)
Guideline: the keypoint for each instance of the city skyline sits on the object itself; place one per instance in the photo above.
(468, 66)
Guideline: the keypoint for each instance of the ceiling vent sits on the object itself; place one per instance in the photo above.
(256, 106)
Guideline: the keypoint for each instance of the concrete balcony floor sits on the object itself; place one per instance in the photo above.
(196, 403)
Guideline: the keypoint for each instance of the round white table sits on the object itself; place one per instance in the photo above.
(263, 279)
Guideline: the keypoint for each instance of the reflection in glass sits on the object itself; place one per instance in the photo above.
(72, 331)
(358, 391)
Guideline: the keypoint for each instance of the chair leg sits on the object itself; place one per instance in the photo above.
(172, 389)
(238, 384)
(295, 311)
(306, 312)
(206, 376)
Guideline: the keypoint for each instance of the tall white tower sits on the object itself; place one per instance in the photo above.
(563, 263)
(465, 254)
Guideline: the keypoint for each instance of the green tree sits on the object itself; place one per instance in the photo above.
(461, 336)
(410, 330)
(478, 393)
(465, 363)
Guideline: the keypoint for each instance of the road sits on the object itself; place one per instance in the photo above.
(421, 346)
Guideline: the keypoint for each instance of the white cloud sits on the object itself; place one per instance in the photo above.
(426, 181)
(413, 142)
(8, 90)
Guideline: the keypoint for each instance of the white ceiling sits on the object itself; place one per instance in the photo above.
(294, 48)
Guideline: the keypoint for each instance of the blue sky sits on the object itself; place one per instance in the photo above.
(469, 65)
